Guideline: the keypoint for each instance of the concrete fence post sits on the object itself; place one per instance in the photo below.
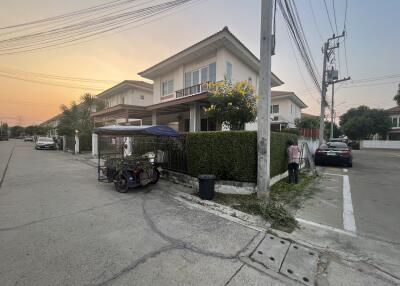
(76, 144)
(64, 142)
(95, 144)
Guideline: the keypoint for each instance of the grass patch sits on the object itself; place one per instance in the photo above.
(284, 198)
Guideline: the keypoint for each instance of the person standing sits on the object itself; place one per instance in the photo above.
(293, 152)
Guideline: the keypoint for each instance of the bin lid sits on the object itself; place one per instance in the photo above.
(206, 177)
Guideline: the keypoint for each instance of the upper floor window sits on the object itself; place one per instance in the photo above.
(122, 99)
(142, 97)
(228, 71)
(394, 122)
(275, 108)
(212, 72)
(167, 87)
(204, 74)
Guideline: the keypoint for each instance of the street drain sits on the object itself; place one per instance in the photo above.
(260, 252)
(290, 271)
(295, 247)
(271, 258)
(271, 237)
(305, 279)
(310, 253)
(282, 242)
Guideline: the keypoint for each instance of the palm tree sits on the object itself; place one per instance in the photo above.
(397, 96)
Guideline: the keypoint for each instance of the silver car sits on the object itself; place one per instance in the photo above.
(45, 143)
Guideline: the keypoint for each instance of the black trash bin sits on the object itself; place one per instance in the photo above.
(206, 186)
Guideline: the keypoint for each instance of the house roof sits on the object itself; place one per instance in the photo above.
(58, 116)
(394, 110)
(124, 85)
(223, 38)
(306, 115)
(288, 94)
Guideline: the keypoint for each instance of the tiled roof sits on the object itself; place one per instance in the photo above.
(394, 110)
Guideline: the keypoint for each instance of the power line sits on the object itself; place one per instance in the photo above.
(81, 87)
(52, 37)
(334, 16)
(329, 17)
(315, 21)
(292, 19)
(16, 72)
(345, 38)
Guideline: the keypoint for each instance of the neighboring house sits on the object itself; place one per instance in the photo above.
(123, 102)
(52, 123)
(180, 89)
(286, 107)
(394, 132)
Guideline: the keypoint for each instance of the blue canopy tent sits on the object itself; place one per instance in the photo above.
(121, 130)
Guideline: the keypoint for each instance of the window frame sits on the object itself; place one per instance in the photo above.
(167, 87)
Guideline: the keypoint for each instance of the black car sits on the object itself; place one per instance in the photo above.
(45, 143)
(334, 153)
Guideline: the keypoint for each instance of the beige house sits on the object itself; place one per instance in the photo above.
(394, 132)
(180, 88)
(286, 107)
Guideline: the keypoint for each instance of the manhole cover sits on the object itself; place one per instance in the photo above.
(271, 252)
(300, 264)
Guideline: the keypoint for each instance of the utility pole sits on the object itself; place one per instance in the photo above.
(264, 101)
(327, 51)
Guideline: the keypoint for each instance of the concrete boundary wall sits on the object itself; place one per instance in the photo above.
(379, 144)
(221, 186)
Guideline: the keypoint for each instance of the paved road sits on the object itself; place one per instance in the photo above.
(374, 184)
(59, 226)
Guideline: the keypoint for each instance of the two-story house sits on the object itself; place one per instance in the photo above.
(394, 132)
(125, 103)
(286, 107)
(52, 124)
(179, 90)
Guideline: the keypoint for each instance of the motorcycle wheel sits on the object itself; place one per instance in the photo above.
(121, 185)
(155, 176)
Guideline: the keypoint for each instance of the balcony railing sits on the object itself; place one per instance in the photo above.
(191, 90)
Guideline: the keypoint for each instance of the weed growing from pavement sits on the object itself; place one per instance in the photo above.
(284, 198)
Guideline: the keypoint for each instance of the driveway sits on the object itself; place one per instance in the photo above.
(59, 226)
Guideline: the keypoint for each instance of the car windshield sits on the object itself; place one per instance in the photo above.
(333, 145)
(45, 140)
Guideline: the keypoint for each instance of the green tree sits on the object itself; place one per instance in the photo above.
(3, 128)
(336, 130)
(16, 131)
(232, 104)
(307, 122)
(397, 96)
(76, 117)
(363, 122)
(36, 130)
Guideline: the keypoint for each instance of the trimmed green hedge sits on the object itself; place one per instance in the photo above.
(232, 155)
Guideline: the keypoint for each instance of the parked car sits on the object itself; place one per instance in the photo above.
(45, 143)
(332, 153)
(28, 138)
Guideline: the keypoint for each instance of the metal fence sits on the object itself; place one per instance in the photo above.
(171, 153)
(70, 143)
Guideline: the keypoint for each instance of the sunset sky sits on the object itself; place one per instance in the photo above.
(372, 50)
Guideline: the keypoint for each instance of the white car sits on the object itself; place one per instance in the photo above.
(45, 143)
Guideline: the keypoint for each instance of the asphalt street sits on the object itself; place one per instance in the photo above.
(374, 190)
(59, 226)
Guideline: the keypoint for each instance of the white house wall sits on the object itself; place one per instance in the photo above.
(240, 71)
(131, 96)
